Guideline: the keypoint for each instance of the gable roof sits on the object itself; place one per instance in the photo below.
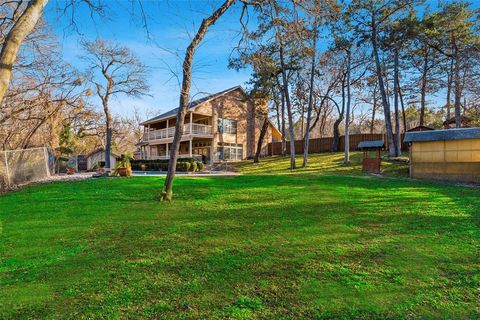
(192, 105)
(371, 144)
(442, 135)
(98, 150)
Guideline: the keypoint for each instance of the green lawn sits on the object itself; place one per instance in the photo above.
(327, 244)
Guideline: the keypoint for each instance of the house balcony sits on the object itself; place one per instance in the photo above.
(180, 156)
(193, 130)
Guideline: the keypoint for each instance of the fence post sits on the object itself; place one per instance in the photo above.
(46, 161)
(6, 168)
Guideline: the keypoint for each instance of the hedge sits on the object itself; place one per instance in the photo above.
(183, 165)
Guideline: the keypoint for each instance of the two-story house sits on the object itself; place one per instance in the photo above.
(224, 126)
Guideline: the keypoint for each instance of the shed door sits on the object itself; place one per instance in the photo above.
(82, 163)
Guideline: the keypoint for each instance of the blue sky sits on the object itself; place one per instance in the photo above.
(171, 24)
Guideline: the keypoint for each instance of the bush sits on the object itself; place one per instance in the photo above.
(183, 166)
(193, 166)
(200, 166)
(156, 165)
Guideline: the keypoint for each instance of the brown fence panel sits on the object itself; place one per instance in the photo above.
(319, 145)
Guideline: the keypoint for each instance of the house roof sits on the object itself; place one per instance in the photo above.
(420, 128)
(442, 135)
(192, 105)
(100, 150)
(452, 120)
(371, 144)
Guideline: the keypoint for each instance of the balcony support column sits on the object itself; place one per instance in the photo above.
(166, 148)
(191, 120)
(190, 146)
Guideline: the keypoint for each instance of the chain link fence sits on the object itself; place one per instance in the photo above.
(19, 167)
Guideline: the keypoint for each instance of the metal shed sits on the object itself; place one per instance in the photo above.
(452, 154)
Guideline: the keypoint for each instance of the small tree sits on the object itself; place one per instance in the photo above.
(114, 70)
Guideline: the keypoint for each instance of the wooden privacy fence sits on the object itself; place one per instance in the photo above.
(320, 145)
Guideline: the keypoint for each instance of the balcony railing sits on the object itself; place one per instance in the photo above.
(181, 155)
(197, 129)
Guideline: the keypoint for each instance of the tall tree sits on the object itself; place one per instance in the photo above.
(372, 19)
(456, 37)
(114, 70)
(20, 29)
(167, 192)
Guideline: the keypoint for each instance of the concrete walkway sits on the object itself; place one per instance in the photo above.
(187, 174)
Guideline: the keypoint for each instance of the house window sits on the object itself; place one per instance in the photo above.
(229, 151)
(227, 126)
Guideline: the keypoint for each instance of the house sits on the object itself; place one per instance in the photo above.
(420, 128)
(224, 126)
(97, 156)
(451, 123)
(452, 154)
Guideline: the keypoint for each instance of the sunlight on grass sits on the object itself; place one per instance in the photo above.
(324, 243)
(322, 163)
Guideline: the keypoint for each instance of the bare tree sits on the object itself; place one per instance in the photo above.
(114, 70)
(21, 28)
(167, 192)
(17, 21)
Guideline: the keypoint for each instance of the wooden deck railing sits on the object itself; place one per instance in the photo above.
(197, 130)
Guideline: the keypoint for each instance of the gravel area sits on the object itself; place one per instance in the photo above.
(54, 178)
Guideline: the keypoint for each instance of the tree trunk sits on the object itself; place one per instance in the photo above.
(398, 137)
(17, 34)
(423, 87)
(263, 132)
(374, 110)
(284, 136)
(306, 141)
(458, 92)
(449, 89)
(108, 132)
(289, 109)
(381, 85)
(404, 117)
(372, 124)
(346, 159)
(336, 124)
(167, 192)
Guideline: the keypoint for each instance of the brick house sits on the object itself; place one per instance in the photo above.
(224, 126)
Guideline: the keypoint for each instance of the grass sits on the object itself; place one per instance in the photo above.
(322, 163)
(328, 244)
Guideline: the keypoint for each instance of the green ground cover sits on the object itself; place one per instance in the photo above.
(324, 243)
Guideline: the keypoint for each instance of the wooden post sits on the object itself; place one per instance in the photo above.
(190, 144)
(191, 132)
(167, 148)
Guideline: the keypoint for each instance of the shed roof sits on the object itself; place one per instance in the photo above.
(371, 144)
(442, 135)
(100, 150)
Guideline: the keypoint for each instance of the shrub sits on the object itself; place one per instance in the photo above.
(200, 166)
(193, 166)
(156, 165)
(183, 166)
